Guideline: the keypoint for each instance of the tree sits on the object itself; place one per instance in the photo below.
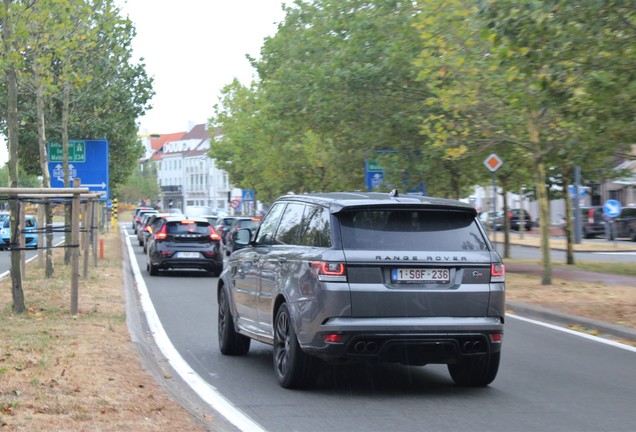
(336, 86)
(68, 71)
(11, 62)
(142, 185)
(504, 74)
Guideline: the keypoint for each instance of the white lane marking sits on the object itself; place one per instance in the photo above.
(8, 272)
(613, 253)
(206, 391)
(575, 333)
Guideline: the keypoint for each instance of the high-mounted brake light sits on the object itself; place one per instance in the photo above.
(330, 271)
(497, 272)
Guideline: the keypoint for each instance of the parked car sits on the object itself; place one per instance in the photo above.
(181, 243)
(29, 232)
(4, 215)
(489, 219)
(365, 276)
(139, 212)
(592, 221)
(514, 216)
(238, 223)
(624, 225)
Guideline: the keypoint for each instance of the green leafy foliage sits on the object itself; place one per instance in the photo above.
(87, 45)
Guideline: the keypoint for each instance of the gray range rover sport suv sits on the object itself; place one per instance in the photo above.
(355, 276)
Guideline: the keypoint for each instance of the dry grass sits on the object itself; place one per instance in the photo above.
(609, 303)
(60, 372)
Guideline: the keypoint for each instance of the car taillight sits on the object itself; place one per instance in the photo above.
(330, 271)
(497, 272)
(496, 338)
(590, 216)
(161, 234)
(214, 235)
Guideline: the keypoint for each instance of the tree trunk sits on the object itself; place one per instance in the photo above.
(506, 220)
(46, 177)
(11, 81)
(67, 174)
(569, 227)
(542, 198)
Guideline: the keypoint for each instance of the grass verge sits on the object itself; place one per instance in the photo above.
(78, 372)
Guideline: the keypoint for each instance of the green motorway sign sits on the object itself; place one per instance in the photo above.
(76, 151)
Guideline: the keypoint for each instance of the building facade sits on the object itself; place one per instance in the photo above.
(186, 174)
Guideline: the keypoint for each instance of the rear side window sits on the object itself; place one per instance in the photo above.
(289, 228)
(315, 229)
(188, 227)
(265, 234)
(410, 230)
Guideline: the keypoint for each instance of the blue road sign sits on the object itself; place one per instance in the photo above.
(93, 171)
(374, 179)
(248, 195)
(572, 192)
(612, 208)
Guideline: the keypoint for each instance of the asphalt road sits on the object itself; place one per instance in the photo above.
(550, 379)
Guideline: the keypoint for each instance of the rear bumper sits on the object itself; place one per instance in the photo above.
(200, 263)
(415, 341)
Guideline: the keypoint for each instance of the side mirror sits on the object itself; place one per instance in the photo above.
(242, 237)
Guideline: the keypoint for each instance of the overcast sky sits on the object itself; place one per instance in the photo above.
(193, 48)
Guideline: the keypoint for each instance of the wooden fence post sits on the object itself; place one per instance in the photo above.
(75, 239)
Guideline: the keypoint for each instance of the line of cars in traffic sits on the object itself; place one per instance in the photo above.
(187, 240)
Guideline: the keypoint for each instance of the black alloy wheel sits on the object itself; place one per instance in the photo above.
(294, 368)
(230, 342)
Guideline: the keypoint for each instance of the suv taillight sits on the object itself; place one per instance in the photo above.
(161, 234)
(330, 271)
(497, 272)
(590, 216)
(214, 235)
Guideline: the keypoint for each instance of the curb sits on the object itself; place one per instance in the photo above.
(564, 319)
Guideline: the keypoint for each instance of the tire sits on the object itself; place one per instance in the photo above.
(152, 269)
(230, 342)
(293, 368)
(475, 371)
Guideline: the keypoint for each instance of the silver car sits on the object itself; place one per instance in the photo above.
(365, 277)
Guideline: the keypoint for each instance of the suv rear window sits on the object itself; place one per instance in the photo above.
(188, 227)
(410, 230)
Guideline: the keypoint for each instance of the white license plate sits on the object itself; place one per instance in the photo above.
(188, 255)
(414, 275)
